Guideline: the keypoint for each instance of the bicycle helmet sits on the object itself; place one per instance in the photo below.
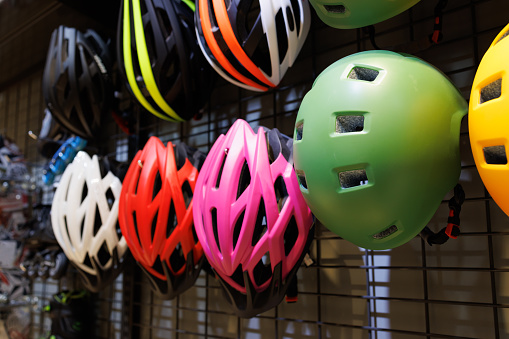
(251, 218)
(347, 14)
(488, 120)
(376, 146)
(160, 58)
(84, 216)
(252, 43)
(156, 217)
(76, 81)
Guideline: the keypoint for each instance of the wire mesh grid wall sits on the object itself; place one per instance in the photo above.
(457, 290)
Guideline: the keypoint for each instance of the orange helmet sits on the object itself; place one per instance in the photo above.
(488, 120)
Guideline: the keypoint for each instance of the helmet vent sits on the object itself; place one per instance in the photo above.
(290, 18)
(291, 235)
(299, 130)
(349, 123)
(385, 233)
(237, 229)
(154, 225)
(218, 180)
(491, 91)
(84, 192)
(495, 155)
(103, 256)
(363, 73)
(110, 197)
(281, 192)
(157, 185)
(296, 13)
(302, 179)
(177, 258)
(262, 272)
(349, 179)
(213, 214)
(245, 179)
(65, 50)
(340, 9)
(503, 36)
(187, 193)
(282, 38)
(261, 224)
(172, 220)
(97, 221)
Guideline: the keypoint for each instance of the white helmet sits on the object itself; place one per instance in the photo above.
(84, 216)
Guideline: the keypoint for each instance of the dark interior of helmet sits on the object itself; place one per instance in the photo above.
(97, 221)
(340, 9)
(158, 184)
(103, 256)
(495, 155)
(244, 180)
(177, 258)
(363, 73)
(302, 179)
(348, 179)
(299, 128)
(110, 197)
(263, 270)
(237, 228)
(187, 193)
(296, 13)
(213, 215)
(282, 34)
(491, 91)
(349, 123)
(172, 221)
(281, 192)
(291, 235)
(219, 175)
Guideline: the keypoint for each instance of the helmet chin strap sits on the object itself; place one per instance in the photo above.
(452, 230)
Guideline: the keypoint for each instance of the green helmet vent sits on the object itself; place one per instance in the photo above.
(363, 73)
(385, 233)
(349, 123)
(340, 9)
(349, 179)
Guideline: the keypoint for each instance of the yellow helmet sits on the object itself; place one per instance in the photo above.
(488, 119)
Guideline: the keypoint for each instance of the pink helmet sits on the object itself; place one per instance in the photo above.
(251, 218)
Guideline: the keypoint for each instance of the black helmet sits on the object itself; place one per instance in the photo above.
(76, 81)
(160, 58)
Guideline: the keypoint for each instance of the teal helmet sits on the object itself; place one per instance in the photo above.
(376, 146)
(347, 14)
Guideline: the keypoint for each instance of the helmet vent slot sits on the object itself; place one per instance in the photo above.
(97, 221)
(340, 9)
(302, 179)
(291, 235)
(349, 123)
(503, 36)
(363, 73)
(177, 258)
(213, 214)
(296, 13)
(64, 50)
(281, 192)
(261, 224)
(103, 256)
(282, 39)
(491, 91)
(495, 155)
(262, 272)
(291, 21)
(244, 180)
(172, 220)
(218, 180)
(349, 179)
(157, 185)
(238, 276)
(385, 233)
(84, 192)
(237, 229)
(299, 130)
(187, 193)
(154, 225)
(110, 198)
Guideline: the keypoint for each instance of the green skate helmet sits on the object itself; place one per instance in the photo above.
(347, 14)
(376, 146)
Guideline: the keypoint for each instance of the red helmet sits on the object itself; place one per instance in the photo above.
(156, 215)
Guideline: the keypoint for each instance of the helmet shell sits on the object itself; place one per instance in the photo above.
(488, 120)
(251, 218)
(376, 146)
(347, 14)
(156, 215)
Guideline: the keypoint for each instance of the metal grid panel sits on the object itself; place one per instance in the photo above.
(458, 290)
